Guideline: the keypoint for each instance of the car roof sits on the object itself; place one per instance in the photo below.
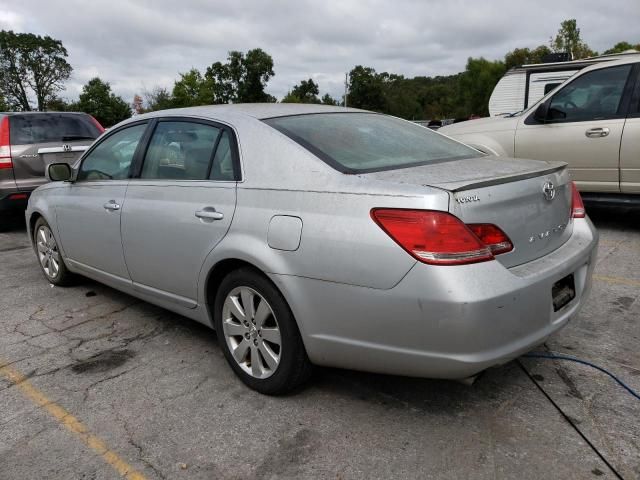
(48, 112)
(622, 61)
(258, 111)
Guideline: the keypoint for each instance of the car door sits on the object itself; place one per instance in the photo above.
(179, 206)
(583, 128)
(630, 145)
(88, 209)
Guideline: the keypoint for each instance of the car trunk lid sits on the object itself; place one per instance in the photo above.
(505, 192)
(31, 161)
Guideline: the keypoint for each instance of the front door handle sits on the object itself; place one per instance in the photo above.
(111, 205)
(209, 213)
(597, 132)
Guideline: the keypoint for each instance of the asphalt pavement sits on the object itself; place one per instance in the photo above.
(95, 384)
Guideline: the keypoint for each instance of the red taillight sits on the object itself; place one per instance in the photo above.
(97, 124)
(577, 206)
(5, 144)
(437, 238)
(492, 237)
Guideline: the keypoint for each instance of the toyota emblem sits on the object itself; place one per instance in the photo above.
(549, 191)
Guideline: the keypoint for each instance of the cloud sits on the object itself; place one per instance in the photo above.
(142, 44)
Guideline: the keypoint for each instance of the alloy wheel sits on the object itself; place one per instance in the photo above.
(252, 332)
(48, 253)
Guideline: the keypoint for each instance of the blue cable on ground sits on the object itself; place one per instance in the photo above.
(555, 356)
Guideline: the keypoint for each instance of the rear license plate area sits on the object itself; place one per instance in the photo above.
(562, 292)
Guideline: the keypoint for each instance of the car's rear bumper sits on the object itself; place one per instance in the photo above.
(13, 200)
(445, 322)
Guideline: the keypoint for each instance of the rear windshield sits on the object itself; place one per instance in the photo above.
(369, 142)
(51, 127)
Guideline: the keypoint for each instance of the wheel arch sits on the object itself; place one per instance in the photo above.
(33, 218)
(215, 276)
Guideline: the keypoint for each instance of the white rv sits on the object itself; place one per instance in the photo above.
(525, 85)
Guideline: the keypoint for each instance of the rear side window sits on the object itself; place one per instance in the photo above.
(369, 142)
(222, 168)
(180, 151)
(51, 127)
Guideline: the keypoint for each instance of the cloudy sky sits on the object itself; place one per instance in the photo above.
(137, 45)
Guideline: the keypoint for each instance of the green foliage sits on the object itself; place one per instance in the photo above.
(366, 89)
(192, 89)
(621, 47)
(328, 100)
(242, 79)
(425, 97)
(57, 104)
(522, 56)
(97, 99)
(305, 92)
(31, 66)
(157, 99)
(568, 40)
(477, 83)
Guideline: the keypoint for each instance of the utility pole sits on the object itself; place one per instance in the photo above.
(346, 85)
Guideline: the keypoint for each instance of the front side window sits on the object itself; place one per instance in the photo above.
(367, 142)
(595, 95)
(180, 151)
(111, 158)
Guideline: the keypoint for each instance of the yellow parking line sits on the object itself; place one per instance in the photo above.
(623, 281)
(70, 422)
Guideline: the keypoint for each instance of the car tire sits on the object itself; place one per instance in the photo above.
(258, 334)
(49, 256)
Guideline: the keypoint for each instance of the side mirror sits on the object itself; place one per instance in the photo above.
(59, 172)
(541, 112)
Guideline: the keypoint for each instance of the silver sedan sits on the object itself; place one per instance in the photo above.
(311, 235)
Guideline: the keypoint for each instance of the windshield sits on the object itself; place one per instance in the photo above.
(369, 142)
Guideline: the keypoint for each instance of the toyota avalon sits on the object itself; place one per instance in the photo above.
(314, 235)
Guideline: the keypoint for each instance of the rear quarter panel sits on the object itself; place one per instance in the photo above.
(339, 241)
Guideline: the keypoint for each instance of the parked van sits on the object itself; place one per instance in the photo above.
(523, 86)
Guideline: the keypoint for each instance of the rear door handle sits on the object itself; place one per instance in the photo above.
(209, 213)
(111, 205)
(597, 132)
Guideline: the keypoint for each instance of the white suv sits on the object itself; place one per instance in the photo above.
(592, 122)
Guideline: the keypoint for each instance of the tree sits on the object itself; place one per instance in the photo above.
(57, 104)
(158, 99)
(568, 40)
(621, 47)
(522, 56)
(366, 89)
(242, 79)
(305, 92)
(328, 100)
(192, 89)
(477, 82)
(97, 99)
(31, 66)
(4, 106)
